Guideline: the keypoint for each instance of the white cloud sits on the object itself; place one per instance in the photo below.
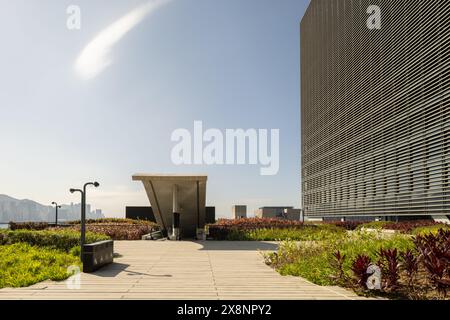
(95, 57)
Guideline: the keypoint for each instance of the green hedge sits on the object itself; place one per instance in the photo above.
(61, 239)
(301, 233)
(28, 225)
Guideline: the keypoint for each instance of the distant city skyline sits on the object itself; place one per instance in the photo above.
(100, 103)
(18, 210)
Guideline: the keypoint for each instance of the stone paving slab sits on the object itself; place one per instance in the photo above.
(185, 270)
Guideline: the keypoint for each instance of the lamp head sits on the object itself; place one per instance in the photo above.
(96, 184)
(72, 190)
(53, 202)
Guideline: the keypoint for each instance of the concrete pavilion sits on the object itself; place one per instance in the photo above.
(178, 201)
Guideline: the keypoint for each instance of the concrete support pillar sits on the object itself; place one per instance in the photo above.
(176, 213)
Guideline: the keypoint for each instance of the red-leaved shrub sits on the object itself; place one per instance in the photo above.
(359, 268)
(435, 255)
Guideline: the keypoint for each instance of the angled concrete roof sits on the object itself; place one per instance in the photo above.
(191, 198)
(169, 177)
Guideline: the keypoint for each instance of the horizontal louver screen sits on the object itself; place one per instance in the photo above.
(375, 109)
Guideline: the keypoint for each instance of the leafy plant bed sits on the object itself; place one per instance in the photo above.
(429, 229)
(403, 226)
(347, 225)
(62, 239)
(282, 229)
(412, 267)
(119, 231)
(258, 229)
(303, 233)
(113, 228)
(28, 225)
(115, 221)
(256, 223)
(22, 265)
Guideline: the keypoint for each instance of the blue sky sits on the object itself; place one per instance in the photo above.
(229, 63)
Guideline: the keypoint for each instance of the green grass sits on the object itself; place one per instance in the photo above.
(305, 233)
(310, 262)
(22, 265)
(29, 256)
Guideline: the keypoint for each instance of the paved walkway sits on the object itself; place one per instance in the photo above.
(184, 270)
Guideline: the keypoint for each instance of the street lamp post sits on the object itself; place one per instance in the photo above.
(56, 213)
(83, 214)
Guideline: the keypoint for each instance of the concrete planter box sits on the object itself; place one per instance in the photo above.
(97, 255)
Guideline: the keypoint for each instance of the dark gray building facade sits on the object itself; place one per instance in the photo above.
(375, 108)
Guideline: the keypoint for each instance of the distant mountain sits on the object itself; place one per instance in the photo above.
(12, 209)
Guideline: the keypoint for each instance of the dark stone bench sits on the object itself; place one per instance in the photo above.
(97, 255)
